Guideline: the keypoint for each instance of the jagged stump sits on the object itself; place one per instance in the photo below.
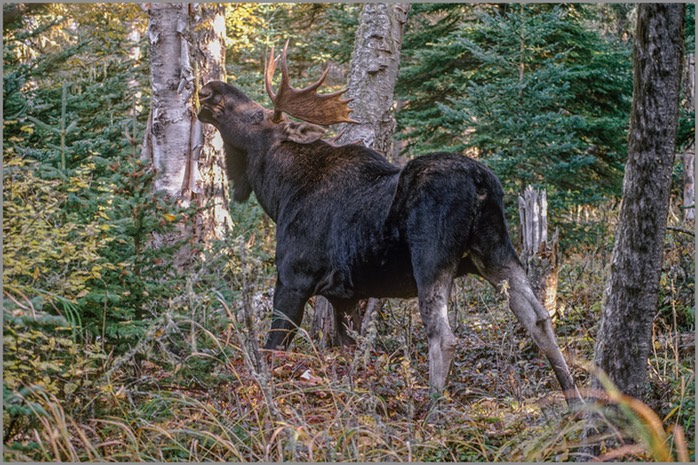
(539, 255)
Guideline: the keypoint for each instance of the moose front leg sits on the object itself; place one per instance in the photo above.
(289, 305)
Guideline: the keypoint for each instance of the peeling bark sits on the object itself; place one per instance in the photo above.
(209, 183)
(538, 254)
(171, 109)
(374, 68)
(186, 51)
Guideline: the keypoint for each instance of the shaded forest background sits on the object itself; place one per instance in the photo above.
(112, 351)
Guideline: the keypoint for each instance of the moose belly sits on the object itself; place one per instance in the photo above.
(388, 275)
(387, 282)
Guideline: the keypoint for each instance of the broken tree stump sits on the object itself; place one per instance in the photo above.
(538, 254)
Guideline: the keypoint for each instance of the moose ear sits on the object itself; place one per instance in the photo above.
(302, 133)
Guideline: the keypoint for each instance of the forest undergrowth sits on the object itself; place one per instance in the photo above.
(197, 387)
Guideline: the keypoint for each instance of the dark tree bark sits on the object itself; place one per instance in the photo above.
(689, 155)
(631, 295)
(374, 68)
(13, 12)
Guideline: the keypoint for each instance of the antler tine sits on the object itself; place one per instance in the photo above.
(269, 69)
(305, 104)
(284, 70)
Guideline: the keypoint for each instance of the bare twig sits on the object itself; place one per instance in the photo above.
(681, 230)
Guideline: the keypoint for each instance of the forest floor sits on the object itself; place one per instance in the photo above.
(197, 388)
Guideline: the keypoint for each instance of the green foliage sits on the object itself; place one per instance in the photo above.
(41, 251)
(78, 204)
(690, 28)
(40, 352)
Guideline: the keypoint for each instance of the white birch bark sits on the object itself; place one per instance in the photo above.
(187, 158)
(374, 68)
(172, 88)
(208, 182)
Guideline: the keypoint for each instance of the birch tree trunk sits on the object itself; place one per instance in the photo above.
(631, 296)
(187, 158)
(134, 54)
(374, 68)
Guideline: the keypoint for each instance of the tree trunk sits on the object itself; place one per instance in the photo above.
(135, 56)
(631, 295)
(689, 155)
(689, 184)
(539, 256)
(211, 190)
(374, 67)
(187, 158)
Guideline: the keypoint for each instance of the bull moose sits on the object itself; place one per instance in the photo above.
(351, 225)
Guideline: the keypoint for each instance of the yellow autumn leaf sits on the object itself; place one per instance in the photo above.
(170, 217)
(70, 388)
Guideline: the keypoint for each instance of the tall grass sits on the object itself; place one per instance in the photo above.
(329, 407)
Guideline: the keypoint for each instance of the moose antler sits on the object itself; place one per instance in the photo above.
(305, 104)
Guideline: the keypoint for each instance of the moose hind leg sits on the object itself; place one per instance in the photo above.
(533, 316)
(433, 307)
(536, 319)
